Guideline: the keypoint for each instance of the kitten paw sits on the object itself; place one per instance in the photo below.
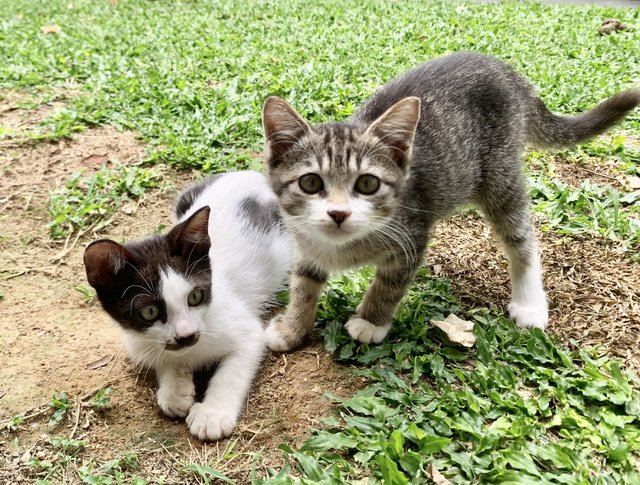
(529, 316)
(273, 338)
(366, 332)
(210, 423)
(176, 402)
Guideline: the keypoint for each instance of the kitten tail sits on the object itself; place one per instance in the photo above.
(548, 129)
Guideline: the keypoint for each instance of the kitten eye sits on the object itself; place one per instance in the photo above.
(367, 184)
(150, 313)
(195, 297)
(311, 183)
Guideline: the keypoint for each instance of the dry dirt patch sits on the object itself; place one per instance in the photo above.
(593, 289)
(48, 334)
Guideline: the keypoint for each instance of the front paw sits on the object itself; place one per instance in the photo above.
(529, 316)
(210, 423)
(365, 331)
(175, 401)
(277, 335)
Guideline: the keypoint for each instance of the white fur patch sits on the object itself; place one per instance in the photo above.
(274, 340)
(528, 307)
(182, 319)
(365, 331)
(208, 422)
(532, 316)
(176, 393)
(355, 226)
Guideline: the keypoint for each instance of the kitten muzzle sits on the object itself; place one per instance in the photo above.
(339, 216)
(183, 342)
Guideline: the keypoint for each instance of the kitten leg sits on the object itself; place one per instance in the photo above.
(215, 417)
(373, 317)
(528, 305)
(288, 330)
(176, 391)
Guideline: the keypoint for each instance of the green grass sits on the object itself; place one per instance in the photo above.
(67, 462)
(589, 209)
(88, 202)
(63, 459)
(190, 77)
(519, 408)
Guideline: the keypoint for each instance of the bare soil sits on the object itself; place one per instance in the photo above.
(49, 334)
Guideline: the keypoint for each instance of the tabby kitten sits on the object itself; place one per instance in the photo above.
(370, 190)
(194, 296)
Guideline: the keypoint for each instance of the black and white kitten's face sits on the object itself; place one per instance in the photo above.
(159, 286)
(338, 182)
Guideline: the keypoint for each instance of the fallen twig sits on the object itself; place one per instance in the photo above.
(75, 426)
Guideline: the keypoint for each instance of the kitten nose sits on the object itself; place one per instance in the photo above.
(339, 216)
(187, 340)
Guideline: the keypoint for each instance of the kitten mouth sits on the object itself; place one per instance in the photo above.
(339, 233)
(184, 343)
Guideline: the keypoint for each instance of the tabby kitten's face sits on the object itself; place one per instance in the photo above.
(338, 182)
(159, 287)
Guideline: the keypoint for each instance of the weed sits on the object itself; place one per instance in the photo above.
(207, 474)
(516, 408)
(87, 203)
(101, 399)
(62, 458)
(61, 405)
(591, 208)
(194, 84)
(15, 422)
(88, 294)
(212, 471)
(603, 149)
(114, 471)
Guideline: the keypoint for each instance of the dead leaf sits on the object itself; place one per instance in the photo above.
(458, 330)
(524, 393)
(51, 29)
(113, 3)
(588, 299)
(96, 159)
(129, 209)
(96, 364)
(437, 477)
(611, 25)
(633, 182)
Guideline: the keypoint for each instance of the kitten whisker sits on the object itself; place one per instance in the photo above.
(150, 288)
(193, 265)
(415, 209)
(193, 249)
(135, 286)
(201, 271)
(131, 303)
(400, 237)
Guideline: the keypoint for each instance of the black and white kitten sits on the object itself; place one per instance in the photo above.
(370, 190)
(194, 296)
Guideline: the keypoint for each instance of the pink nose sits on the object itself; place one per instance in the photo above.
(339, 216)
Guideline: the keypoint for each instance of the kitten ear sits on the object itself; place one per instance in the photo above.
(283, 126)
(103, 260)
(397, 128)
(191, 237)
